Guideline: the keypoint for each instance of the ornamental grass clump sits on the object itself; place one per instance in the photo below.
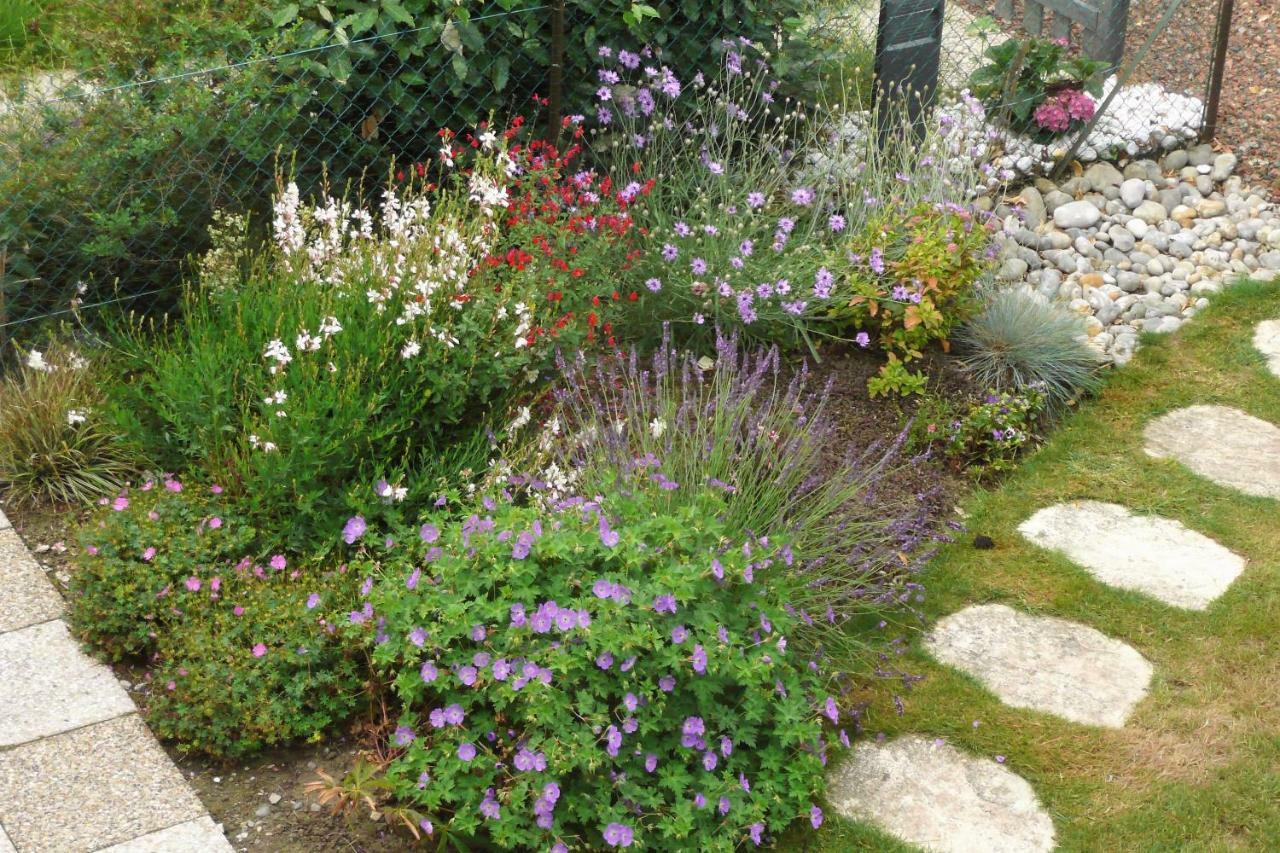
(763, 437)
(1019, 341)
(55, 444)
(591, 673)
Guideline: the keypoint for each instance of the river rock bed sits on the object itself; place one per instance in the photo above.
(1138, 247)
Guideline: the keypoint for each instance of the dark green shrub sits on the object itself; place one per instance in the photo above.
(120, 186)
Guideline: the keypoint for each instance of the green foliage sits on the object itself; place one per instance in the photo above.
(1020, 74)
(452, 64)
(1019, 340)
(254, 666)
(986, 434)
(19, 25)
(897, 379)
(544, 639)
(141, 550)
(912, 280)
(55, 444)
(116, 189)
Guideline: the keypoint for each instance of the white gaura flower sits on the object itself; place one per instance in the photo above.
(488, 140)
(306, 342)
(410, 349)
(76, 416)
(657, 427)
(522, 417)
(330, 327)
(277, 351)
(35, 361)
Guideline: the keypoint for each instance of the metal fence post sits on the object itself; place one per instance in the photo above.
(908, 57)
(556, 84)
(1221, 36)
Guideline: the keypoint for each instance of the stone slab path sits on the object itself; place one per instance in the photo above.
(1148, 554)
(1266, 339)
(931, 794)
(79, 771)
(1222, 444)
(1044, 663)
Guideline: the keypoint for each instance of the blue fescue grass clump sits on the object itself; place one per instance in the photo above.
(1020, 340)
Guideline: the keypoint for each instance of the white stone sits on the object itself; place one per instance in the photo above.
(1148, 554)
(1076, 214)
(1133, 192)
(1267, 340)
(51, 686)
(1043, 663)
(1223, 444)
(932, 795)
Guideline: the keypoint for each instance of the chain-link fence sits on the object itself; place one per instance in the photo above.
(109, 179)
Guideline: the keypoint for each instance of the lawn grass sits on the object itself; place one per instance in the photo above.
(1197, 767)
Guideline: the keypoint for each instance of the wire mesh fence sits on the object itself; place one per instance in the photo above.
(109, 179)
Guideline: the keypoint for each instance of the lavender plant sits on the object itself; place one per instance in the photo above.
(589, 674)
(740, 425)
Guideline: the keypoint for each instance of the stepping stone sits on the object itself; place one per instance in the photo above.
(1222, 444)
(90, 788)
(26, 596)
(194, 836)
(1044, 663)
(1144, 553)
(1267, 341)
(930, 794)
(5, 845)
(51, 686)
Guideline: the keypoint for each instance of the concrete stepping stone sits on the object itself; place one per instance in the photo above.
(1266, 339)
(930, 794)
(5, 845)
(90, 788)
(1222, 444)
(194, 836)
(51, 686)
(26, 596)
(1043, 663)
(1144, 553)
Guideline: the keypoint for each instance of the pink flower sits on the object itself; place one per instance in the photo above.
(148, 554)
(173, 485)
(215, 584)
(278, 562)
(153, 515)
(238, 610)
(120, 504)
(91, 550)
(193, 583)
(216, 489)
(215, 523)
(259, 650)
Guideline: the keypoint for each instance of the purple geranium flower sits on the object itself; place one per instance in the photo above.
(354, 529)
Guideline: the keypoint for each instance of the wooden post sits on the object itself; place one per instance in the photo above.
(908, 56)
(1106, 40)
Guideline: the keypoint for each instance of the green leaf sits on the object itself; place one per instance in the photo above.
(364, 21)
(450, 39)
(285, 14)
(397, 12)
(501, 72)
(324, 12)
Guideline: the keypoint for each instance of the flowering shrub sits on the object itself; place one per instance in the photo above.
(141, 551)
(596, 674)
(909, 279)
(1037, 86)
(987, 435)
(375, 344)
(254, 664)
